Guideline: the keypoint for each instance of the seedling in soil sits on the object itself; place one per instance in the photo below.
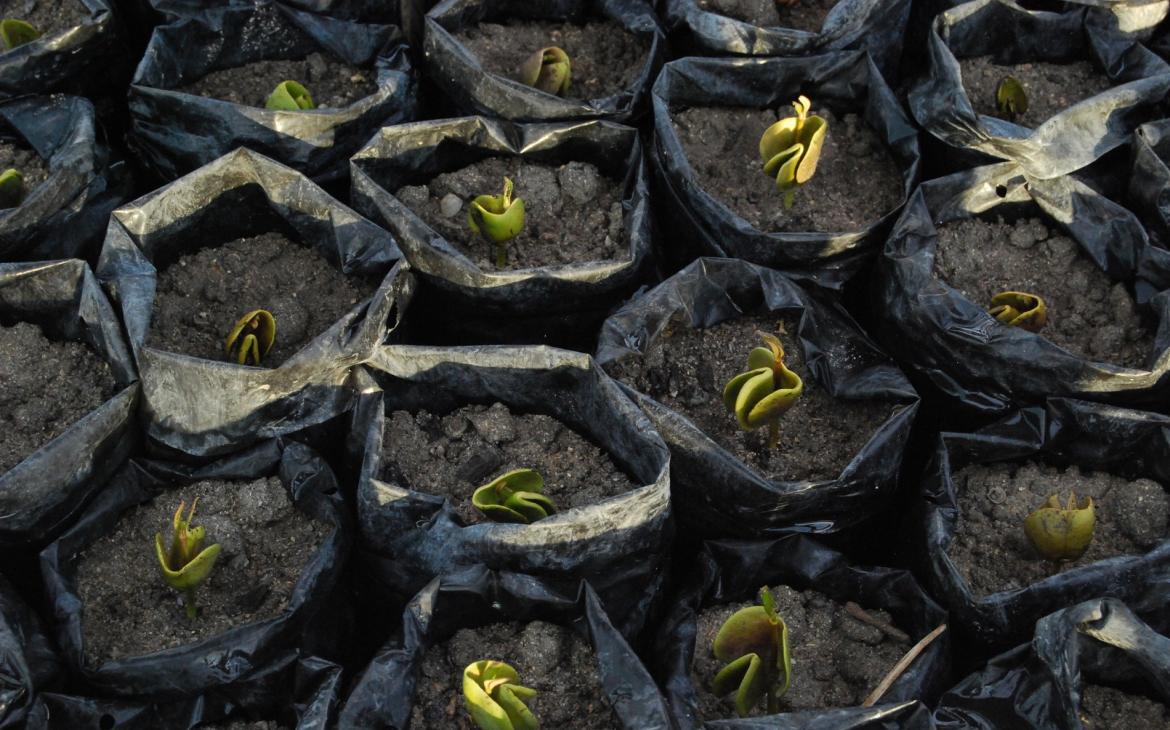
(253, 331)
(11, 188)
(290, 96)
(187, 563)
(494, 697)
(514, 497)
(1010, 98)
(765, 392)
(548, 69)
(1019, 309)
(791, 148)
(15, 33)
(755, 643)
(1062, 533)
(498, 218)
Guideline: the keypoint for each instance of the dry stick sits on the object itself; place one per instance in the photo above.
(902, 665)
(864, 616)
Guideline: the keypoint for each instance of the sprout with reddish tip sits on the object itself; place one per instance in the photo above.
(754, 642)
(765, 392)
(187, 563)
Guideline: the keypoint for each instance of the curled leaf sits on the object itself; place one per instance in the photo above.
(754, 642)
(1010, 98)
(252, 336)
(1019, 309)
(15, 33)
(791, 148)
(514, 497)
(1062, 533)
(289, 96)
(548, 69)
(495, 698)
(765, 392)
(186, 563)
(498, 218)
(11, 188)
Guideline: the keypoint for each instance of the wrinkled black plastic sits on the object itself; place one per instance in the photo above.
(1065, 142)
(202, 406)
(1149, 182)
(28, 663)
(618, 544)
(175, 132)
(236, 655)
(842, 359)
(384, 693)
(365, 11)
(988, 366)
(733, 571)
(41, 494)
(845, 82)
(475, 91)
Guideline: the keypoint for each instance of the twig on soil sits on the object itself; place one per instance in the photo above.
(864, 616)
(902, 665)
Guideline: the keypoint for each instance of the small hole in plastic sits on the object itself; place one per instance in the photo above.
(107, 722)
(1001, 190)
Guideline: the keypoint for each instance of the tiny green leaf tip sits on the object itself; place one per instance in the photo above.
(492, 693)
(1019, 309)
(548, 69)
(765, 392)
(497, 218)
(15, 33)
(754, 643)
(1062, 532)
(791, 147)
(514, 497)
(251, 337)
(290, 96)
(11, 188)
(1010, 98)
(186, 563)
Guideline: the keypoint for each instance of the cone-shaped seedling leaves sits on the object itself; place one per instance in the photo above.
(252, 336)
(791, 148)
(290, 96)
(1010, 98)
(11, 188)
(1062, 533)
(15, 33)
(498, 218)
(754, 642)
(765, 392)
(1019, 309)
(514, 497)
(494, 697)
(548, 70)
(187, 563)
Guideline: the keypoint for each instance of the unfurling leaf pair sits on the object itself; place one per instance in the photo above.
(15, 33)
(1019, 309)
(791, 148)
(514, 497)
(765, 392)
(1010, 98)
(493, 695)
(254, 330)
(290, 96)
(498, 218)
(1062, 533)
(754, 642)
(187, 563)
(548, 69)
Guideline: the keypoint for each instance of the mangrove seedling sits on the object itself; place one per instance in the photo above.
(514, 497)
(765, 392)
(754, 642)
(253, 331)
(290, 96)
(548, 69)
(1019, 309)
(15, 33)
(493, 695)
(1062, 533)
(498, 218)
(11, 188)
(791, 147)
(1010, 98)
(187, 563)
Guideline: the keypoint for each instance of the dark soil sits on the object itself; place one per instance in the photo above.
(572, 213)
(30, 165)
(454, 454)
(243, 725)
(48, 16)
(551, 659)
(722, 145)
(1105, 708)
(130, 611)
(604, 58)
(45, 387)
(808, 15)
(685, 369)
(332, 84)
(990, 548)
(837, 659)
(1050, 87)
(1088, 313)
(201, 296)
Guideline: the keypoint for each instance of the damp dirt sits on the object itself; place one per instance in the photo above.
(1105, 708)
(28, 163)
(806, 15)
(1050, 87)
(332, 84)
(48, 16)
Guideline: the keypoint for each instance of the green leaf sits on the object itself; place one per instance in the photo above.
(753, 391)
(11, 188)
(498, 218)
(1062, 533)
(494, 698)
(548, 69)
(744, 677)
(15, 33)
(1010, 98)
(290, 96)
(791, 148)
(514, 497)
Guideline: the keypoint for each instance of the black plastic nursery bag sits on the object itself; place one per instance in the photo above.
(175, 132)
(843, 360)
(28, 663)
(202, 406)
(363, 11)
(1149, 182)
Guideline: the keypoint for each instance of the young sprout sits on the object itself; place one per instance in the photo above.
(258, 328)
(754, 642)
(11, 188)
(498, 218)
(1010, 98)
(1062, 533)
(15, 33)
(514, 497)
(290, 96)
(187, 563)
(494, 697)
(791, 147)
(765, 392)
(1019, 309)
(548, 69)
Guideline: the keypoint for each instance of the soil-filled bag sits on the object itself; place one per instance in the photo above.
(364, 11)
(200, 406)
(964, 238)
(183, 115)
(1088, 115)
(388, 691)
(628, 49)
(847, 84)
(28, 663)
(105, 649)
(839, 357)
(734, 571)
(71, 181)
(1149, 182)
(615, 539)
(59, 464)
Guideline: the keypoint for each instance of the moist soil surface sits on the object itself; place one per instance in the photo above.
(1089, 314)
(454, 454)
(551, 659)
(128, 610)
(572, 213)
(202, 295)
(47, 16)
(990, 548)
(331, 83)
(837, 659)
(807, 15)
(722, 147)
(1050, 87)
(604, 59)
(45, 387)
(1105, 708)
(685, 369)
(32, 168)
